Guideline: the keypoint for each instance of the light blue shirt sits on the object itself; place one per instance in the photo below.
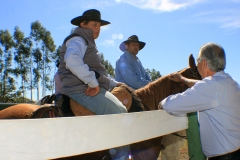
(217, 100)
(130, 71)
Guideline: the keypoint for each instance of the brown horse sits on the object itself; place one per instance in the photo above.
(150, 96)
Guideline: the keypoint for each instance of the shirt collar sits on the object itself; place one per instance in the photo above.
(130, 55)
(85, 31)
(220, 73)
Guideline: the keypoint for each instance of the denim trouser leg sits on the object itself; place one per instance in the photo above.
(104, 103)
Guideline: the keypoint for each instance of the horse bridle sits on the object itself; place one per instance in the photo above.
(195, 74)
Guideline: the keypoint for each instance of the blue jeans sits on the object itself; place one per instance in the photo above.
(104, 103)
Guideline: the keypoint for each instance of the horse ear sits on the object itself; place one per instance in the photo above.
(192, 63)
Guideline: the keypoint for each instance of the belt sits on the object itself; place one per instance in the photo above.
(229, 156)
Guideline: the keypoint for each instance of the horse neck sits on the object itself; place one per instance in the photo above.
(154, 92)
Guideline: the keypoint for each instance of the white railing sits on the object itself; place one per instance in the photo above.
(60, 137)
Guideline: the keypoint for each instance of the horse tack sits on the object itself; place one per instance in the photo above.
(47, 111)
(123, 95)
(128, 97)
(48, 99)
(193, 67)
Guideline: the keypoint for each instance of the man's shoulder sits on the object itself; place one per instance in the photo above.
(76, 37)
(122, 57)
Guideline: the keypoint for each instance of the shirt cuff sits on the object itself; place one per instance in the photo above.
(162, 103)
(93, 83)
(112, 83)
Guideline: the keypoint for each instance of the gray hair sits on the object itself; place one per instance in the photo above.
(215, 56)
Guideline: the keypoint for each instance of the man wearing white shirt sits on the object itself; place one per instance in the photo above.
(216, 98)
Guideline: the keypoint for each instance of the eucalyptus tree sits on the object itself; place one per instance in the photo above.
(153, 74)
(107, 65)
(57, 53)
(45, 45)
(1, 71)
(56, 58)
(49, 48)
(8, 83)
(23, 48)
(37, 59)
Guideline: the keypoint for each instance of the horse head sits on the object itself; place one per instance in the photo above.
(190, 72)
(159, 89)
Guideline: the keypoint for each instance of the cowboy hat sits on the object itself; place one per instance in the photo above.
(89, 15)
(132, 38)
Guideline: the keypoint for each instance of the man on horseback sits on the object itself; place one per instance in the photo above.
(216, 98)
(129, 68)
(83, 77)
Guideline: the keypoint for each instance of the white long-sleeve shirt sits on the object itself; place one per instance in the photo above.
(217, 100)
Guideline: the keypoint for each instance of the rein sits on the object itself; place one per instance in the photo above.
(145, 106)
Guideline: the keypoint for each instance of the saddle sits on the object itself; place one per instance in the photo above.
(62, 105)
(71, 108)
(59, 105)
(48, 109)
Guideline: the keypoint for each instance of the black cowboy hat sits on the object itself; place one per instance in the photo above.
(132, 38)
(89, 15)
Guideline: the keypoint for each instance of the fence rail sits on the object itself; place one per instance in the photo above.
(66, 136)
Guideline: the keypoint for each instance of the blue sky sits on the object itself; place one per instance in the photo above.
(172, 29)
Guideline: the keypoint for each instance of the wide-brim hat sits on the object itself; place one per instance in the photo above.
(89, 15)
(132, 38)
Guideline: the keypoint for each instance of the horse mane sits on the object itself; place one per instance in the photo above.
(154, 92)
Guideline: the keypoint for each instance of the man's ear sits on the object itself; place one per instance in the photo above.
(204, 63)
(82, 24)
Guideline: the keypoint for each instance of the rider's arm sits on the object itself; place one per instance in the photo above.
(73, 58)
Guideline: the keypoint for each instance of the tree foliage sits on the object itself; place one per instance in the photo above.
(43, 55)
(7, 81)
(29, 62)
(153, 74)
(23, 47)
(33, 58)
(107, 65)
